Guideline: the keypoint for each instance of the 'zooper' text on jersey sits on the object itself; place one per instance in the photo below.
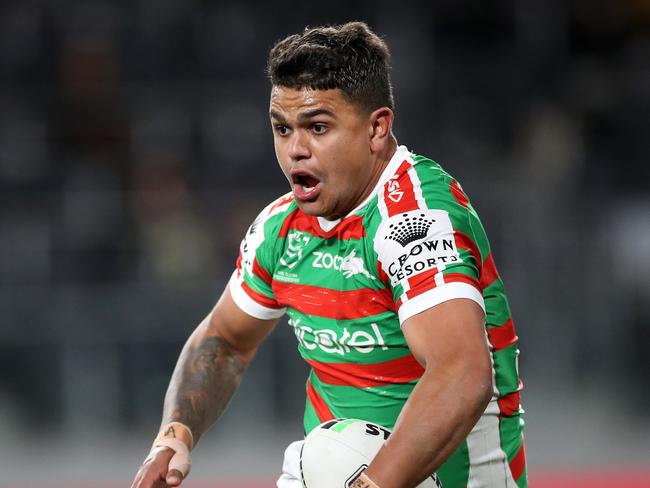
(348, 285)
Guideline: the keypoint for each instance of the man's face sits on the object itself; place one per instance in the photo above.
(322, 142)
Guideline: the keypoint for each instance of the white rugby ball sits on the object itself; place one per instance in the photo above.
(335, 452)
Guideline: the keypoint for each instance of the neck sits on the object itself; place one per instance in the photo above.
(381, 161)
(386, 155)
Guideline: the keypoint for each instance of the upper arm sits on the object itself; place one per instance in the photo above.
(251, 284)
(243, 332)
(247, 310)
(428, 245)
(450, 334)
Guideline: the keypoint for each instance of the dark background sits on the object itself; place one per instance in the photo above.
(135, 149)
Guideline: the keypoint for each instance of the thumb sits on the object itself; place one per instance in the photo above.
(174, 477)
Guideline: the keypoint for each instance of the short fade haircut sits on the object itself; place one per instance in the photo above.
(349, 57)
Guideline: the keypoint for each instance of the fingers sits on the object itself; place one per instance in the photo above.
(154, 472)
(148, 479)
(174, 477)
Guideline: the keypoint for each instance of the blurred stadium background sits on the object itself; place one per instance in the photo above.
(135, 149)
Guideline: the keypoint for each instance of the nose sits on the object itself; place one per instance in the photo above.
(298, 147)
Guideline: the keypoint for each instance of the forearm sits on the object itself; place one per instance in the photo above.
(441, 411)
(206, 376)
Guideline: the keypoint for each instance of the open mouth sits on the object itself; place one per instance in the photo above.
(305, 185)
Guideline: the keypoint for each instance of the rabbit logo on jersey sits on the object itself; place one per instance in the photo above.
(348, 265)
(413, 242)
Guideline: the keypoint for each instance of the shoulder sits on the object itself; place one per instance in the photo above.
(420, 210)
(266, 226)
(431, 185)
(417, 183)
(273, 215)
(279, 208)
(424, 239)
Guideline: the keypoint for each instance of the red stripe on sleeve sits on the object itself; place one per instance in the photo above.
(396, 371)
(518, 463)
(510, 403)
(424, 286)
(461, 278)
(423, 282)
(463, 241)
(423, 279)
(458, 193)
(398, 192)
(259, 298)
(261, 273)
(426, 281)
(489, 272)
(333, 304)
(238, 264)
(280, 202)
(320, 407)
(503, 335)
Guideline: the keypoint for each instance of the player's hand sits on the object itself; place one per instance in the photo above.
(155, 472)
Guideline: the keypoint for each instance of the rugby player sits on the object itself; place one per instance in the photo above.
(385, 272)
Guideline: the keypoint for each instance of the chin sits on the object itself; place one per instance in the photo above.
(314, 209)
(310, 208)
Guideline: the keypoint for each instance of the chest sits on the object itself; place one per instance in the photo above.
(332, 263)
(335, 299)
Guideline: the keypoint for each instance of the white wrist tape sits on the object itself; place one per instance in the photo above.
(180, 461)
(362, 481)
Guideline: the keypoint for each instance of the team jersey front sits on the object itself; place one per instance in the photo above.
(348, 285)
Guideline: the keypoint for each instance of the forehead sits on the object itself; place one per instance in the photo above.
(296, 100)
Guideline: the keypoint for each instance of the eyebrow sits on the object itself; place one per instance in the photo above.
(314, 113)
(303, 116)
(277, 117)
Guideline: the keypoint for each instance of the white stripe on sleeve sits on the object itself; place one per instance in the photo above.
(437, 295)
(250, 306)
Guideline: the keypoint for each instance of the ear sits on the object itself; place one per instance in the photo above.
(381, 123)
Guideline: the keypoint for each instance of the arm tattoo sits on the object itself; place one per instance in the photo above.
(203, 382)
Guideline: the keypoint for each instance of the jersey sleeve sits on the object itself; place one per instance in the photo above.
(251, 282)
(426, 243)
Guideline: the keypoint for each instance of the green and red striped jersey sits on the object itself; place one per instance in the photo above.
(348, 285)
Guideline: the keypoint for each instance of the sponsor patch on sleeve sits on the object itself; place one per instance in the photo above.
(414, 242)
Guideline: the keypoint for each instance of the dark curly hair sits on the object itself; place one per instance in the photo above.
(349, 57)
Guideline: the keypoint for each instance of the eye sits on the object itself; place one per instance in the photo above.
(281, 130)
(319, 128)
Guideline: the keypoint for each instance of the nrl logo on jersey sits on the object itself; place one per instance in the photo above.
(349, 265)
(296, 241)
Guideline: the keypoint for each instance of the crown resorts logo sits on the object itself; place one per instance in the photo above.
(413, 242)
(409, 229)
